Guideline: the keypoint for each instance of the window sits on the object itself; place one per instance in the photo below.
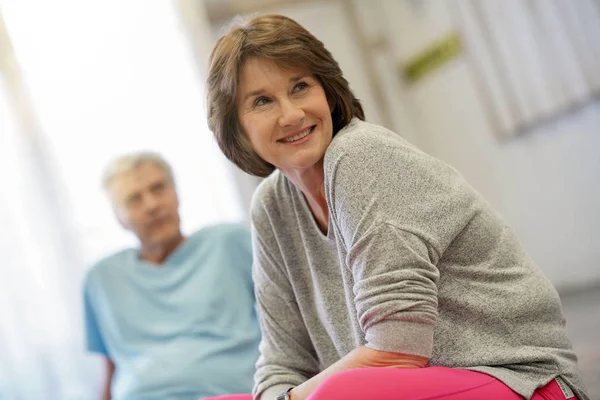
(535, 59)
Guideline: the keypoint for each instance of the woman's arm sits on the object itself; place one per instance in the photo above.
(394, 211)
(361, 357)
(287, 356)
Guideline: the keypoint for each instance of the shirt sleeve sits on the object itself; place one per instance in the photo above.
(94, 341)
(287, 357)
(395, 210)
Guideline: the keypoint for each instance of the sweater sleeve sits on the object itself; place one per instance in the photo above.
(287, 357)
(395, 210)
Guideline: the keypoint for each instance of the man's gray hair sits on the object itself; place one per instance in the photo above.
(128, 162)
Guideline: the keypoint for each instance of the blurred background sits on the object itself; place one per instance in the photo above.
(506, 91)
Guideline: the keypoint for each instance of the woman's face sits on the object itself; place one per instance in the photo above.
(285, 114)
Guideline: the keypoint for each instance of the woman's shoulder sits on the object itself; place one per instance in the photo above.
(266, 191)
(272, 192)
(362, 136)
(358, 130)
(360, 139)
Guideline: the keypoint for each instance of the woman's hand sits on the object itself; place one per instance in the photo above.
(361, 357)
(364, 357)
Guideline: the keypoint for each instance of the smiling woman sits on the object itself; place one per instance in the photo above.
(320, 75)
(285, 115)
(378, 269)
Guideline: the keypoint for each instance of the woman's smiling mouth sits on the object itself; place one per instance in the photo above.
(297, 137)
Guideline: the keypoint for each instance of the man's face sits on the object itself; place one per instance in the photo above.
(146, 203)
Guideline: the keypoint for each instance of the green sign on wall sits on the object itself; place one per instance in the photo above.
(433, 57)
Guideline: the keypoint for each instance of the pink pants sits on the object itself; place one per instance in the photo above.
(430, 383)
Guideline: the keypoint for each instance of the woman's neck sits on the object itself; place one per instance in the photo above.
(311, 183)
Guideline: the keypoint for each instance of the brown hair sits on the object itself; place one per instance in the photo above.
(289, 45)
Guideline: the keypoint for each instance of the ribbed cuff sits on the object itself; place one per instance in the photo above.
(401, 337)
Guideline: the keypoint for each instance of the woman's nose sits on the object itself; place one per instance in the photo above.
(291, 114)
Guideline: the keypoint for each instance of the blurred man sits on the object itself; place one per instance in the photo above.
(174, 318)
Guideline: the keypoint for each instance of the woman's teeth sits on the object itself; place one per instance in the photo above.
(298, 136)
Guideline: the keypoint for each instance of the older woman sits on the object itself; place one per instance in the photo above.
(368, 252)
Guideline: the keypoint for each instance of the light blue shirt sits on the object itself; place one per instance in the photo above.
(185, 330)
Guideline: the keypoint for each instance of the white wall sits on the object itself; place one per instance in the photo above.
(545, 182)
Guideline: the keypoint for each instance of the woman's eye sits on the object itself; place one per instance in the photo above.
(300, 86)
(261, 101)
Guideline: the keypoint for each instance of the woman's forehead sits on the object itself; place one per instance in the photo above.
(268, 65)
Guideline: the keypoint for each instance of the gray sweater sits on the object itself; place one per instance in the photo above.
(415, 262)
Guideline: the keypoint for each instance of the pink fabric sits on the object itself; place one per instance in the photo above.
(432, 383)
(414, 384)
(550, 392)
